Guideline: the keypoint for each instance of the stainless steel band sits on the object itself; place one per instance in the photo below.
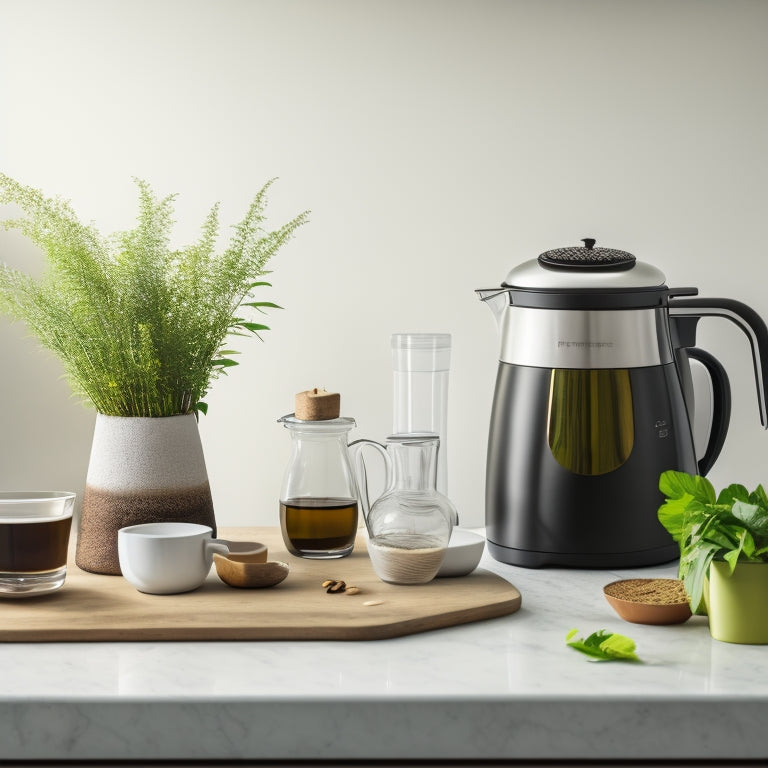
(561, 338)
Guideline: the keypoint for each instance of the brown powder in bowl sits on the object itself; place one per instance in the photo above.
(651, 591)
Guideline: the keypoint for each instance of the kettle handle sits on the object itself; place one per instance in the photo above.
(721, 406)
(745, 318)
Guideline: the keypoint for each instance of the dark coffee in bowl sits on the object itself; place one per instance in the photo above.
(34, 546)
(34, 539)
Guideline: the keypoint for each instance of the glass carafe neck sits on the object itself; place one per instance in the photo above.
(414, 461)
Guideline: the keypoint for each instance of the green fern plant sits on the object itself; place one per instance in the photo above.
(139, 328)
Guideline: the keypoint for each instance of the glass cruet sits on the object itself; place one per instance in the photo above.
(318, 498)
(410, 524)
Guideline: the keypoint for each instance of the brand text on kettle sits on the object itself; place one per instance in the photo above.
(585, 344)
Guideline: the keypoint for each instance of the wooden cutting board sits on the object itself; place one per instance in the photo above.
(108, 608)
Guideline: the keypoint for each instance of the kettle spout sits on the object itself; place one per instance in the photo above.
(496, 299)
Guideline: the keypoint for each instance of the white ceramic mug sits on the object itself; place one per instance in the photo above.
(167, 558)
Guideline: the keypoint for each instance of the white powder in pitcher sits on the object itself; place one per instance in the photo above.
(406, 559)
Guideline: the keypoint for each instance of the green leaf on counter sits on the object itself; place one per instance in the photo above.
(604, 646)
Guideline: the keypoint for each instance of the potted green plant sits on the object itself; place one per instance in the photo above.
(141, 331)
(723, 541)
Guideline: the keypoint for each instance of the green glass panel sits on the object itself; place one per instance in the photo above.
(591, 428)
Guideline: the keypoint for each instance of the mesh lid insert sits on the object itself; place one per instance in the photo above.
(587, 257)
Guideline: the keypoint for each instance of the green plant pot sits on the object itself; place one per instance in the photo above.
(738, 603)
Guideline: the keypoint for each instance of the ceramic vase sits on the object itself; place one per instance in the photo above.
(738, 602)
(141, 470)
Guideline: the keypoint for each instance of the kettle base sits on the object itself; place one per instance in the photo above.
(529, 559)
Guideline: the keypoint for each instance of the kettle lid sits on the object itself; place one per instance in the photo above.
(585, 267)
(587, 257)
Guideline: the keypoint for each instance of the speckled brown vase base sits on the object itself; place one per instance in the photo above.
(142, 470)
(104, 513)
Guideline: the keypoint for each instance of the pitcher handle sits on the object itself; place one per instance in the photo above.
(361, 476)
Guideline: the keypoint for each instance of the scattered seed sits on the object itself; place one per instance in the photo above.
(337, 586)
(327, 583)
(373, 602)
(353, 590)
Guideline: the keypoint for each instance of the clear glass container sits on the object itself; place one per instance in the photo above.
(420, 366)
(410, 524)
(34, 537)
(318, 498)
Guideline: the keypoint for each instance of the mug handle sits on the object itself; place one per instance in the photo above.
(214, 545)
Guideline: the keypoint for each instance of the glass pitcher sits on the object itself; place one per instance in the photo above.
(318, 498)
(410, 524)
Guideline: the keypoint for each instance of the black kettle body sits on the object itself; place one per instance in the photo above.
(593, 401)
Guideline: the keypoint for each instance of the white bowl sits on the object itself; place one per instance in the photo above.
(464, 552)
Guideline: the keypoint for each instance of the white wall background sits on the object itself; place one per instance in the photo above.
(437, 143)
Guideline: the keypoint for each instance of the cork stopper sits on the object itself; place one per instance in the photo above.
(317, 405)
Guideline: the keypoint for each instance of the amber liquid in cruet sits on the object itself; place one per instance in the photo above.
(318, 524)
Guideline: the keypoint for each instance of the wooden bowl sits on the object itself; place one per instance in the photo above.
(641, 601)
(246, 547)
(248, 570)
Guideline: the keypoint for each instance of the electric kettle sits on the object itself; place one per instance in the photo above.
(593, 401)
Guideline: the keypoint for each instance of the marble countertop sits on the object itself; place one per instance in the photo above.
(505, 688)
